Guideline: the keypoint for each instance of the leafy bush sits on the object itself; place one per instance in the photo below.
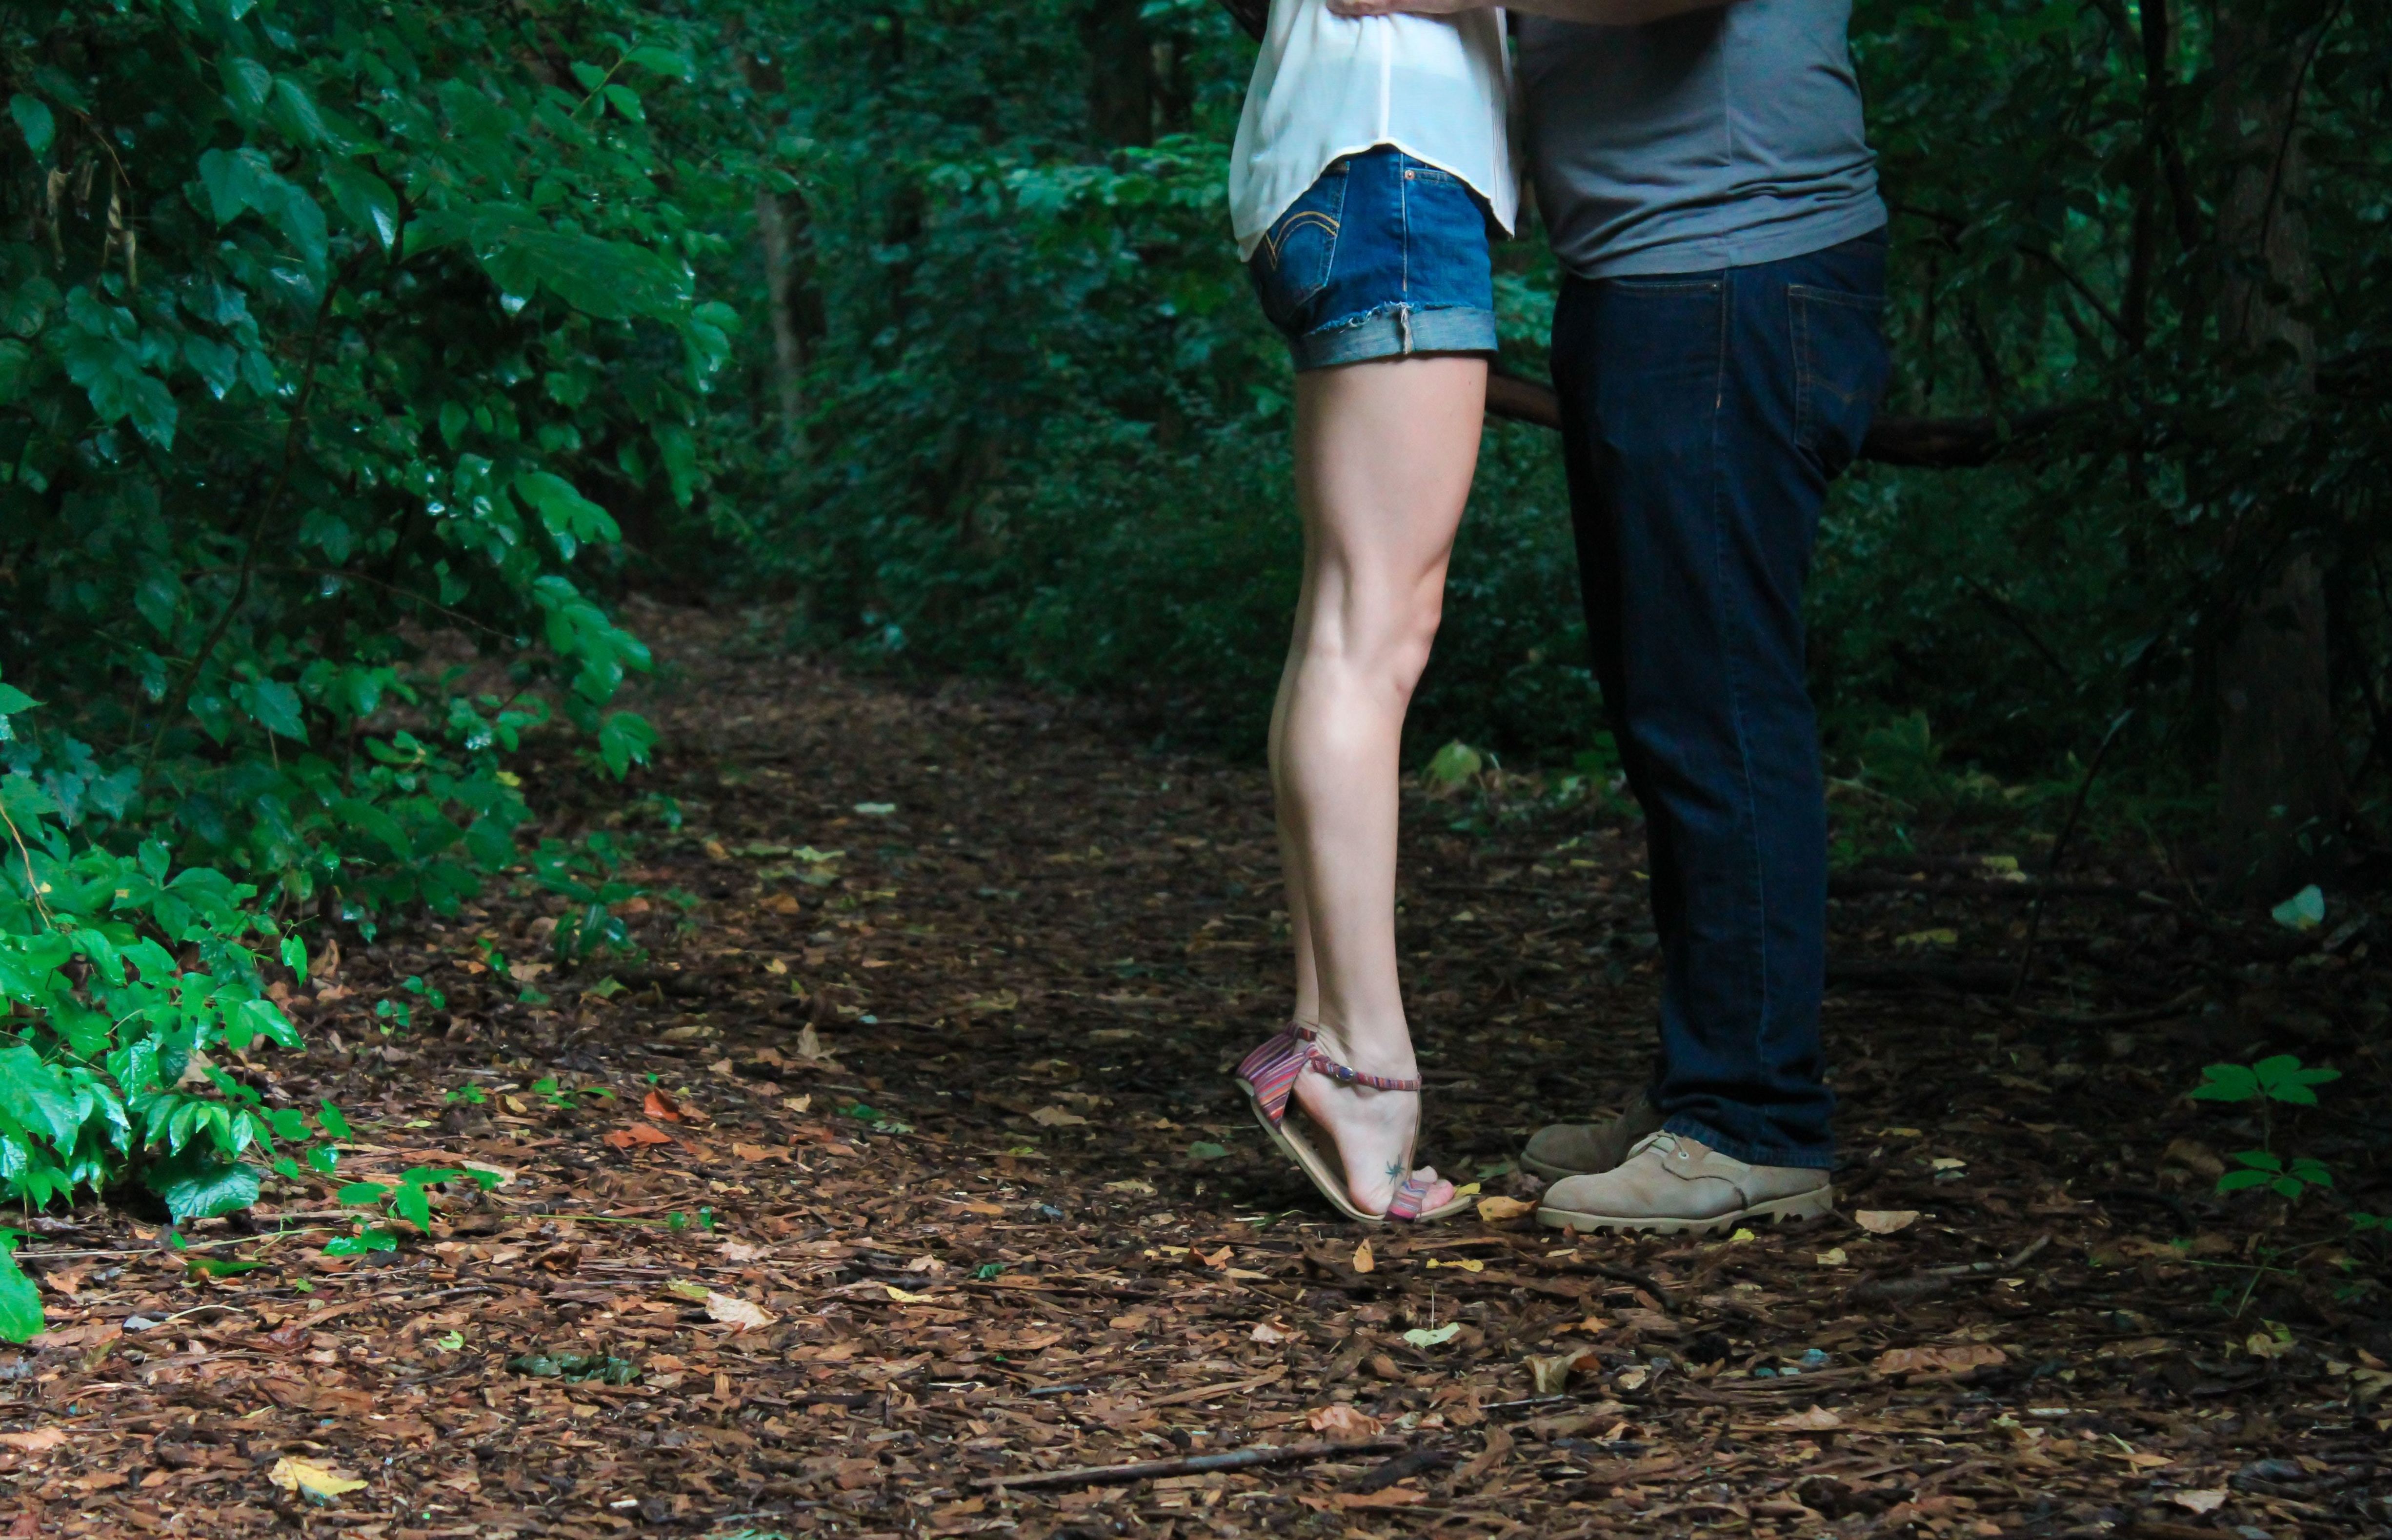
(321, 320)
(329, 334)
(129, 975)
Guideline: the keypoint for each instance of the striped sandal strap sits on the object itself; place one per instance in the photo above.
(1272, 1067)
(1411, 1196)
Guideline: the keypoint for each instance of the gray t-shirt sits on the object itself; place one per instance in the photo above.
(1718, 138)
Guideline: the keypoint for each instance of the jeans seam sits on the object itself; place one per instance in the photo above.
(1736, 689)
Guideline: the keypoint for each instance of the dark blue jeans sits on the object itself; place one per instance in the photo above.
(1703, 416)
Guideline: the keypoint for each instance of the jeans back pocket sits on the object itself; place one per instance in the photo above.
(1840, 366)
(1291, 265)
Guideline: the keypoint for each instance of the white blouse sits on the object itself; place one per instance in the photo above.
(1437, 87)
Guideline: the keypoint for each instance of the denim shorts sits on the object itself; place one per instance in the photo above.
(1384, 256)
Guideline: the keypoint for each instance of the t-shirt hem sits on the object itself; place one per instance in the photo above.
(1710, 254)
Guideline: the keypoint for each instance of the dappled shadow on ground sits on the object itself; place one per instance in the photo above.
(934, 1029)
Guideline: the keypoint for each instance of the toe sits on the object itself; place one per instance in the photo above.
(1440, 1191)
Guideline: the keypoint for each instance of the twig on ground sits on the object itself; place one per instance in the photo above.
(1934, 1280)
(1188, 1465)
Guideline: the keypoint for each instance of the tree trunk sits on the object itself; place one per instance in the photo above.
(788, 351)
(2281, 792)
(1121, 72)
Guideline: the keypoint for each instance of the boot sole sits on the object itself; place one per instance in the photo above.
(1815, 1204)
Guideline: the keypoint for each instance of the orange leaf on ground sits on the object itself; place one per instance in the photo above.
(1818, 1420)
(36, 1441)
(658, 1104)
(1343, 1423)
(638, 1133)
(1953, 1360)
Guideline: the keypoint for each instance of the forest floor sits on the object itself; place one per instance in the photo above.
(903, 1173)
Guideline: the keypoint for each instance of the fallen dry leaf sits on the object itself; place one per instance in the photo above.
(657, 1104)
(1343, 1423)
(1948, 1360)
(733, 1311)
(1363, 1261)
(1495, 1211)
(1818, 1420)
(36, 1441)
(1270, 1333)
(1056, 1117)
(638, 1135)
(320, 1482)
(1551, 1374)
(1885, 1222)
(1386, 1496)
(2206, 1500)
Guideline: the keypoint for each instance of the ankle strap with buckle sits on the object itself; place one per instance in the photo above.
(1271, 1070)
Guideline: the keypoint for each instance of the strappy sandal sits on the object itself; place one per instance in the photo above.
(1268, 1076)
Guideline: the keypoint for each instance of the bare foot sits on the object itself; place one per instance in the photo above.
(1373, 1131)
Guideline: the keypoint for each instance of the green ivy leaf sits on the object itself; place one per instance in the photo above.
(375, 1240)
(34, 121)
(198, 1183)
(2226, 1082)
(21, 1301)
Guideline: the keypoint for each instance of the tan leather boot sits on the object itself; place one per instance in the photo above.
(1579, 1149)
(1672, 1183)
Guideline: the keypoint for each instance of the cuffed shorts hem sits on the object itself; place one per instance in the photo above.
(1395, 331)
(1752, 1154)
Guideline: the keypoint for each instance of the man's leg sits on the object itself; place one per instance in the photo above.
(1704, 416)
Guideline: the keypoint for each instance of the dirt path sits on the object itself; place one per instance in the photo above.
(1009, 1219)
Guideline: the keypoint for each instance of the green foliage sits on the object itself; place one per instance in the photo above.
(330, 335)
(1454, 766)
(21, 1298)
(2304, 910)
(2285, 1179)
(411, 1198)
(2279, 1079)
(2282, 1078)
(575, 1367)
(331, 327)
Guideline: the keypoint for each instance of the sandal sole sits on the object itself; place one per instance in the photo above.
(1815, 1204)
(1326, 1179)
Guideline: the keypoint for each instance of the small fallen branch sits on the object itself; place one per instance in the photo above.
(1189, 1464)
(1934, 1280)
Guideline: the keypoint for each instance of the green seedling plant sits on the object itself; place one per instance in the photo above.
(548, 1089)
(586, 876)
(400, 1015)
(2281, 1079)
(411, 1199)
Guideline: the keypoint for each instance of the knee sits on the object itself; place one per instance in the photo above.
(1383, 645)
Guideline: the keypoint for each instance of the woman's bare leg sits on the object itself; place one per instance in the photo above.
(1384, 457)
